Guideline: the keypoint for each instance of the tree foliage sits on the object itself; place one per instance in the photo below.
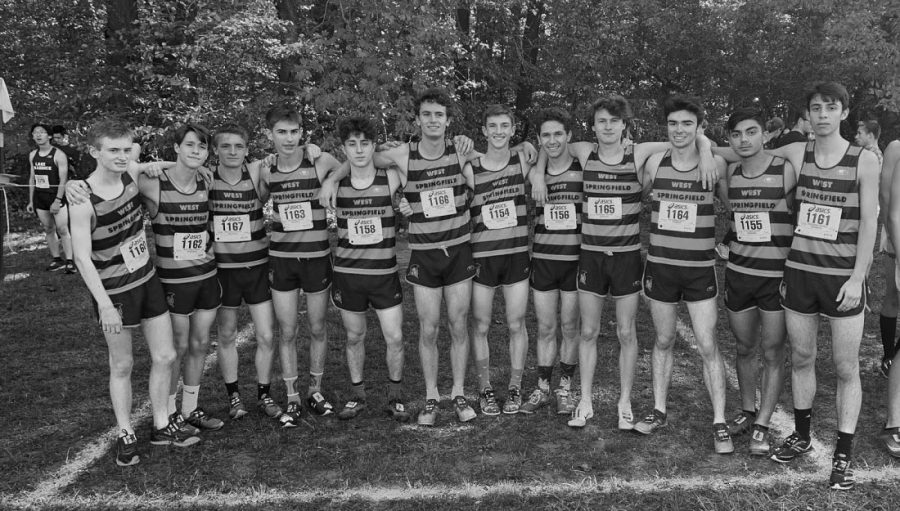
(161, 62)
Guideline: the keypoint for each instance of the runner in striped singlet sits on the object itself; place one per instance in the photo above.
(834, 237)
(299, 258)
(111, 251)
(365, 265)
(179, 211)
(241, 246)
(681, 264)
(759, 196)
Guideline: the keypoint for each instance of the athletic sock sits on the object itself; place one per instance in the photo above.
(844, 444)
(315, 383)
(290, 385)
(263, 389)
(888, 326)
(189, 397)
(802, 420)
(170, 406)
(432, 393)
(765, 429)
(545, 373)
(515, 378)
(567, 370)
(395, 389)
(483, 370)
(359, 390)
(232, 388)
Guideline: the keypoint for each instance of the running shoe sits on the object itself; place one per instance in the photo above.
(580, 417)
(626, 420)
(792, 447)
(513, 401)
(741, 424)
(268, 406)
(565, 405)
(200, 420)
(71, 269)
(891, 439)
(464, 411)
(760, 441)
(841, 473)
(397, 410)
(236, 408)
(185, 426)
(294, 410)
(537, 400)
(56, 264)
(173, 434)
(428, 415)
(318, 405)
(351, 409)
(721, 439)
(126, 450)
(488, 402)
(653, 421)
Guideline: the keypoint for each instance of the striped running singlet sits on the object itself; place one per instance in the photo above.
(498, 210)
(237, 223)
(557, 228)
(184, 249)
(763, 222)
(611, 214)
(365, 219)
(299, 229)
(683, 218)
(827, 224)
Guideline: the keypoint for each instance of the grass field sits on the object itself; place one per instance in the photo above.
(53, 388)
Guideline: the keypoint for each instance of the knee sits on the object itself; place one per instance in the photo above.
(847, 370)
(428, 332)
(394, 339)
(317, 329)
(458, 324)
(802, 359)
(355, 338)
(481, 326)
(121, 367)
(49, 228)
(165, 357)
(626, 334)
(517, 327)
(744, 350)
(264, 338)
(665, 342)
(547, 328)
(63, 230)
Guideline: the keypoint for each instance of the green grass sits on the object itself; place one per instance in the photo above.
(54, 389)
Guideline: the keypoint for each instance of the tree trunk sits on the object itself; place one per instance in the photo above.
(120, 18)
(463, 28)
(530, 47)
(287, 11)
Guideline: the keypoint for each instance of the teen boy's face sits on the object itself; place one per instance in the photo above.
(113, 154)
(608, 127)
(285, 136)
(825, 115)
(863, 137)
(59, 139)
(682, 128)
(746, 138)
(192, 152)
(231, 149)
(40, 136)
(433, 120)
(554, 138)
(359, 150)
(498, 129)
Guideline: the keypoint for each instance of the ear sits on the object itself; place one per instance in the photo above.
(269, 135)
(568, 137)
(484, 131)
(844, 113)
(93, 151)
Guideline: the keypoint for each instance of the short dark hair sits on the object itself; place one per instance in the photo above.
(616, 105)
(110, 128)
(554, 114)
(774, 124)
(189, 127)
(282, 112)
(828, 91)
(58, 129)
(795, 113)
(352, 125)
(745, 114)
(231, 128)
(435, 95)
(495, 110)
(679, 102)
(872, 127)
(39, 125)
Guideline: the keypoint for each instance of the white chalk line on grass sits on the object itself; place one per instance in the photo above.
(377, 494)
(67, 474)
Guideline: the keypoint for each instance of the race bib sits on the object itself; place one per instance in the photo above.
(753, 227)
(677, 216)
(296, 216)
(364, 231)
(604, 208)
(230, 228)
(190, 246)
(499, 215)
(134, 252)
(41, 181)
(817, 221)
(438, 203)
(560, 217)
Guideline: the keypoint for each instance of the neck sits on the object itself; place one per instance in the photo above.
(183, 174)
(756, 164)
(497, 153)
(290, 160)
(561, 163)
(609, 149)
(229, 172)
(105, 177)
(362, 175)
(45, 147)
(431, 146)
(832, 142)
(687, 156)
